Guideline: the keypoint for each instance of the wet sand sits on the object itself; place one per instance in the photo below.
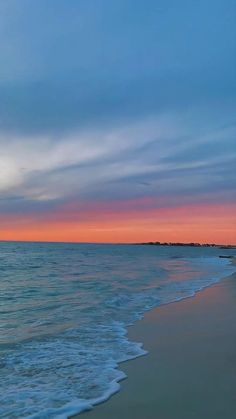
(190, 371)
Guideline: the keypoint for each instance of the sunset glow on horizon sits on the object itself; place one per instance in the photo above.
(204, 224)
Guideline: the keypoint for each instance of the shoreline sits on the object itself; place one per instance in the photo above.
(143, 394)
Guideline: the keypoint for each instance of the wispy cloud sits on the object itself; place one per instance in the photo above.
(165, 153)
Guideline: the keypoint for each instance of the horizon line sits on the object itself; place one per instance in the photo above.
(116, 243)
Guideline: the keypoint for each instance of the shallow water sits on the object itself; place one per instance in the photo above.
(64, 310)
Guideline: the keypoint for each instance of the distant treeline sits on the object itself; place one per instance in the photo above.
(221, 246)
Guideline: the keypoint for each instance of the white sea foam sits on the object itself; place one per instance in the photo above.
(54, 372)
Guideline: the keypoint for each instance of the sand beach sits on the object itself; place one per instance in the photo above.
(190, 370)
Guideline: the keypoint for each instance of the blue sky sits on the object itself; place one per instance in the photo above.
(104, 100)
(68, 64)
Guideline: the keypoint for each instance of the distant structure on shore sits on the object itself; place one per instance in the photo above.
(221, 246)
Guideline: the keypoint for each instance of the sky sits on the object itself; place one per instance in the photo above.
(117, 120)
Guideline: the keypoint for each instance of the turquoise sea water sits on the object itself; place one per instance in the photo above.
(64, 312)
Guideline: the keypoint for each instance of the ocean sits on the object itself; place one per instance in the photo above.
(64, 313)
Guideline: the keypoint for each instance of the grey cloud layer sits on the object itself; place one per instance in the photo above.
(115, 100)
(64, 65)
(157, 157)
